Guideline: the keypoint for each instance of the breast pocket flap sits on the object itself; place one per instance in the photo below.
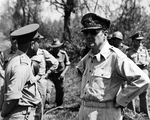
(102, 73)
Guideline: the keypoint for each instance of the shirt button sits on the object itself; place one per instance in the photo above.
(90, 71)
(87, 81)
(85, 93)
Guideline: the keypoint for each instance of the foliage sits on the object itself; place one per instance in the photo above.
(67, 7)
(131, 18)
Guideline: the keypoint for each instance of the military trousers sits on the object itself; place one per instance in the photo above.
(99, 113)
(42, 87)
(22, 113)
(54, 77)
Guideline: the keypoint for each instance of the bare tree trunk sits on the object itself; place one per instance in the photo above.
(67, 34)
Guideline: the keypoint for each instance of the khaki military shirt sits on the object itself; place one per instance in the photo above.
(140, 56)
(123, 48)
(20, 82)
(102, 75)
(63, 60)
(46, 58)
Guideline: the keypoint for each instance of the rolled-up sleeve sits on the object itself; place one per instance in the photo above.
(67, 62)
(51, 60)
(137, 81)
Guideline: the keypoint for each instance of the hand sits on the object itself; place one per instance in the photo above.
(61, 76)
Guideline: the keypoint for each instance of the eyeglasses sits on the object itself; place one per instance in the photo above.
(91, 32)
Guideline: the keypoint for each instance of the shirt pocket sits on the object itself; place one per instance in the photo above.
(102, 79)
(102, 73)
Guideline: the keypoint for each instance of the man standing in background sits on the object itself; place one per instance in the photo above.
(140, 56)
(58, 76)
(4, 45)
(116, 41)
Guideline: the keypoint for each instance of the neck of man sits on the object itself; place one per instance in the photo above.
(136, 47)
(97, 49)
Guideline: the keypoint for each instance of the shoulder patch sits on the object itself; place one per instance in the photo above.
(23, 60)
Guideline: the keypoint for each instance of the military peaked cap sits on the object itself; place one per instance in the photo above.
(137, 36)
(26, 33)
(94, 21)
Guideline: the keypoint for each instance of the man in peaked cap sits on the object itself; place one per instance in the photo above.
(58, 76)
(140, 56)
(21, 96)
(102, 72)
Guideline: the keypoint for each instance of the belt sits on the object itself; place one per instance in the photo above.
(106, 104)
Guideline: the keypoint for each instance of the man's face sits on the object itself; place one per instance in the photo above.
(94, 38)
(116, 42)
(136, 43)
(35, 45)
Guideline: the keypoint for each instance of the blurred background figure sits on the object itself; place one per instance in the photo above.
(58, 76)
(9, 53)
(117, 41)
(139, 54)
(4, 46)
(47, 63)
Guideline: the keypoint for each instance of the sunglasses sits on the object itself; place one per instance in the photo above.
(91, 32)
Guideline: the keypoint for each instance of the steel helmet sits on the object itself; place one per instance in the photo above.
(118, 35)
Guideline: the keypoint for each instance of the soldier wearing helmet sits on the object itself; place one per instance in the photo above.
(116, 41)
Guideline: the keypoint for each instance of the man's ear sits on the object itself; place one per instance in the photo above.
(105, 32)
(32, 44)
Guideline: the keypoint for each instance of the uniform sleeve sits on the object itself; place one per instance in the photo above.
(67, 62)
(79, 69)
(51, 60)
(137, 81)
(17, 82)
(148, 57)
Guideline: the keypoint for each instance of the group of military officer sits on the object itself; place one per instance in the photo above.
(27, 72)
(108, 80)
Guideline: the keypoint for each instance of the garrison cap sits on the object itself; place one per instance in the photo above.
(94, 21)
(26, 34)
(137, 36)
